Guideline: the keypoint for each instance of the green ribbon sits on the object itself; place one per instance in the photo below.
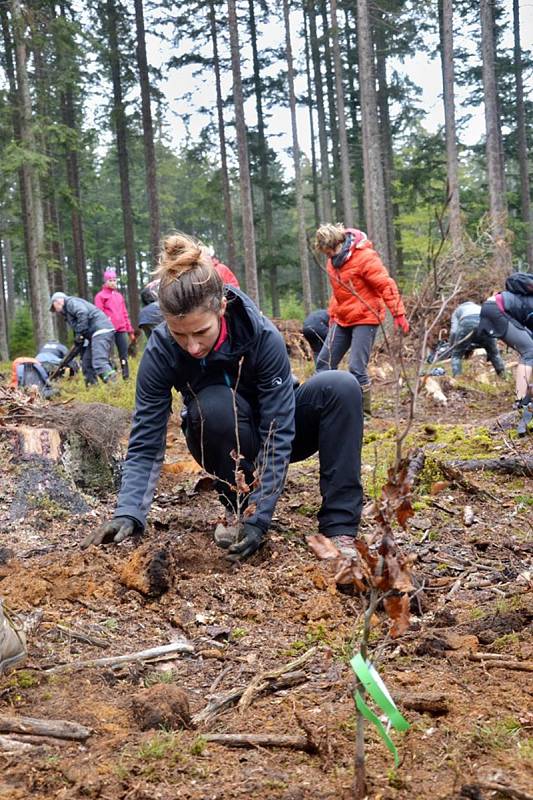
(375, 687)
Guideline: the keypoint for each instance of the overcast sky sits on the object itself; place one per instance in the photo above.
(422, 71)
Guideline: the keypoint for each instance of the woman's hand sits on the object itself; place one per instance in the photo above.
(250, 539)
(400, 322)
(115, 531)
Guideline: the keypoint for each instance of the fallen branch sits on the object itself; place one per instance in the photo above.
(8, 745)
(261, 681)
(510, 466)
(260, 740)
(520, 666)
(505, 789)
(229, 698)
(152, 654)
(434, 704)
(80, 636)
(56, 728)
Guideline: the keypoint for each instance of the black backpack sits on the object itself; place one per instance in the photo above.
(519, 283)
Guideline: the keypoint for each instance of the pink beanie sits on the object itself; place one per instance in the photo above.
(110, 274)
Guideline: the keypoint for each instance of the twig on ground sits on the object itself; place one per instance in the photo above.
(153, 654)
(253, 687)
(56, 728)
(82, 637)
(260, 740)
(505, 789)
(520, 666)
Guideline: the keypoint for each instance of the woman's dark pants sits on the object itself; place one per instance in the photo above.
(329, 419)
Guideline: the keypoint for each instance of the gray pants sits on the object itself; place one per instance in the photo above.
(95, 359)
(356, 338)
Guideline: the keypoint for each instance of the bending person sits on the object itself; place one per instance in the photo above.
(218, 350)
(465, 337)
(362, 291)
(509, 316)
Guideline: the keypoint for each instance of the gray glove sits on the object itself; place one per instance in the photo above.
(115, 531)
(250, 539)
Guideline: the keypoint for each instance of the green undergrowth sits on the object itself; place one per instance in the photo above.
(441, 443)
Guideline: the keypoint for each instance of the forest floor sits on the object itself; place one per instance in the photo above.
(243, 620)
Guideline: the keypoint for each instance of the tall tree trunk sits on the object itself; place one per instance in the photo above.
(452, 158)
(327, 211)
(354, 104)
(250, 264)
(494, 146)
(4, 349)
(386, 139)
(372, 155)
(69, 118)
(333, 127)
(9, 65)
(10, 280)
(318, 291)
(37, 270)
(298, 184)
(346, 183)
(148, 136)
(523, 159)
(119, 116)
(230, 235)
(263, 167)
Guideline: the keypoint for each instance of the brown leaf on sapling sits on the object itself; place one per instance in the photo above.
(397, 608)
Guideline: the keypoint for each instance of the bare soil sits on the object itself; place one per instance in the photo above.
(246, 619)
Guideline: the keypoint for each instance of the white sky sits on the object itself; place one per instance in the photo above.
(425, 73)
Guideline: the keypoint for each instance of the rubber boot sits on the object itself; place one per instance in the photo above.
(124, 366)
(367, 404)
(12, 643)
(526, 407)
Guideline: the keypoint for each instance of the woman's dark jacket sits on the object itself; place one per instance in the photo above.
(85, 318)
(265, 381)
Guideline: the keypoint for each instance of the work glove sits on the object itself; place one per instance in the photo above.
(249, 540)
(80, 338)
(115, 530)
(400, 322)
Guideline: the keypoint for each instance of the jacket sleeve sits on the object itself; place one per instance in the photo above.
(99, 301)
(126, 316)
(78, 316)
(276, 425)
(146, 448)
(377, 276)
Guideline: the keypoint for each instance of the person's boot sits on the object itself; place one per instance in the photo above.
(367, 403)
(110, 376)
(12, 643)
(124, 366)
(526, 407)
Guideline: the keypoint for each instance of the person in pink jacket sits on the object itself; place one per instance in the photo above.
(111, 302)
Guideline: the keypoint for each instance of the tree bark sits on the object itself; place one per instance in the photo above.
(346, 183)
(354, 104)
(494, 146)
(230, 235)
(452, 158)
(10, 281)
(148, 137)
(372, 155)
(119, 117)
(4, 349)
(386, 140)
(333, 127)
(37, 269)
(250, 263)
(298, 183)
(327, 212)
(523, 159)
(263, 167)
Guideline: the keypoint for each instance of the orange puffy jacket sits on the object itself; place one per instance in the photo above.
(373, 287)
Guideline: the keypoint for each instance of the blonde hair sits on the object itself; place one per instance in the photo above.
(329, 236)
(188, 280)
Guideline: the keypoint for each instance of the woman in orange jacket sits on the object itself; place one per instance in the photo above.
(362, 291)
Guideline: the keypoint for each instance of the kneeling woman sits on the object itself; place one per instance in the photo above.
(228, 361)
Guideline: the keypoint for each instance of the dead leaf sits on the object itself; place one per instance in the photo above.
(397, 608)
(186, 467)
(438, 486)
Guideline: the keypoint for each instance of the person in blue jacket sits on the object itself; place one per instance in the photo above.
(228, 360)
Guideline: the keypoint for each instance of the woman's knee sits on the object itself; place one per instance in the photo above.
(340, 383)
(213, 409)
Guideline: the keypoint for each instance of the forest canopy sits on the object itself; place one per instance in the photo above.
(247, 124)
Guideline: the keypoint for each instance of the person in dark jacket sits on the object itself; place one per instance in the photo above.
(509, 317)
(52, 353)
(315, 329)
(150, 315)
(92, 326)
(465, 338)
(227, 359)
